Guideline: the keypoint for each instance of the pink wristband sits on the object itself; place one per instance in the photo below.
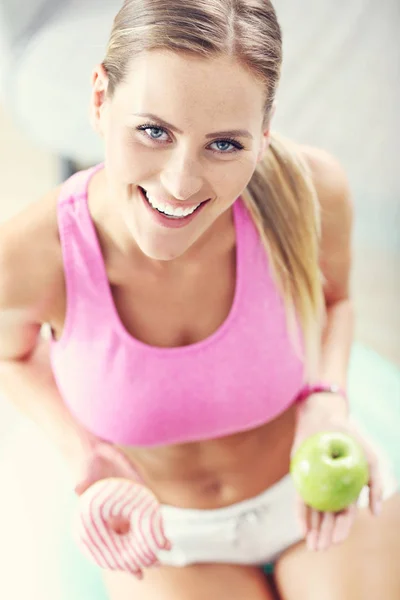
(318, 388)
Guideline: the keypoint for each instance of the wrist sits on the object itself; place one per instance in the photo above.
(312, 389)
(332, 400)
(79, 446)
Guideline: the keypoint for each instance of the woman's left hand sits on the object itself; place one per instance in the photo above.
(323, 529)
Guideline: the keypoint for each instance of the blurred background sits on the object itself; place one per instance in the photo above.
(340, 90)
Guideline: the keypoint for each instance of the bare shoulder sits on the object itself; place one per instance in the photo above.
(30, 257)
(336, 209)
(329, 177)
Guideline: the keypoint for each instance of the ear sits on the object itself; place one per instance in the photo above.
(98, 98)
(266, 136)
(265, 140)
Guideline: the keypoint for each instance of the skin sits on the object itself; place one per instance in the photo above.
(147, 262)
(181, 167)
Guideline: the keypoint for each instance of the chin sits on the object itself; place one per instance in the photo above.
(161, 252)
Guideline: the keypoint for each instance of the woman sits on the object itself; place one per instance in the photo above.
(195, 284)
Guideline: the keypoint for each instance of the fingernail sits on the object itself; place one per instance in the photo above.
(378, 508)
(167, 545)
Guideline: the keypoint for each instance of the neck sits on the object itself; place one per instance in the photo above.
(113, 233)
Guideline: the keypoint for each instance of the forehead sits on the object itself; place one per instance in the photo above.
(192, 89)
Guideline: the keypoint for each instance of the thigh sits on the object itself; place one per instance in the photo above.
(194, 582)
(364, 567)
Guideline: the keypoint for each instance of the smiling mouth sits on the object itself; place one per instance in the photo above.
(180, 214)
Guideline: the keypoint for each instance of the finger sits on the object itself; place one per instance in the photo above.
(307, 511)
(312, 536)
(157, 531)
(375, 479)
(316, 518)
(343, 523)
(302, 515)
(81, 488)
(326, 531)
(375, 489)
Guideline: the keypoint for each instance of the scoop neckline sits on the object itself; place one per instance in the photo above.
(117, 322)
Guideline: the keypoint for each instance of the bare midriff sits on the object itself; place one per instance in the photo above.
(217, 473)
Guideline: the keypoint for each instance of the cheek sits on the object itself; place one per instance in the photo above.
(235, 178)
(114, 148)
(124, 158)
(248, 170)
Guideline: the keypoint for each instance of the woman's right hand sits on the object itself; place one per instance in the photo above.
(118, 525)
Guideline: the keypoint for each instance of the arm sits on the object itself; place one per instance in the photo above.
(335, 260)
(322, 412)
(27, 382)
(31, 271)
(26, 378)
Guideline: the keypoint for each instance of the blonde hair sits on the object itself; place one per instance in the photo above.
(280, 196)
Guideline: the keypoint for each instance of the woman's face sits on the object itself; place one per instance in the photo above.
(165, 131)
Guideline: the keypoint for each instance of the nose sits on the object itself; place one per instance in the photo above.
(182, 177)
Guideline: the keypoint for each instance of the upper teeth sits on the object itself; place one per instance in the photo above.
(171, 210)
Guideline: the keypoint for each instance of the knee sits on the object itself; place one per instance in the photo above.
(196, 582)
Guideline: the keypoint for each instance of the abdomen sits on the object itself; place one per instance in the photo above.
(220, 472)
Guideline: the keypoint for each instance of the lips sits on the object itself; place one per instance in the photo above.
(172, 204)
(169, 221)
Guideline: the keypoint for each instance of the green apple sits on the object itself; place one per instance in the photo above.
(329, 470)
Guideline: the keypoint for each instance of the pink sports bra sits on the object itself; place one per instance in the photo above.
(130, 393)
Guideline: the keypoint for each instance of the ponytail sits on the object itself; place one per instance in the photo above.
(282, 201)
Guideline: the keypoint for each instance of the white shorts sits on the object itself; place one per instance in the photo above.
(255, 531)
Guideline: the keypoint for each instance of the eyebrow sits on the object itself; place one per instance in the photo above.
(231, 132)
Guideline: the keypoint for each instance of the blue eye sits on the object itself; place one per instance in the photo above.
(152, 129)
(226, 142)
(156, 128)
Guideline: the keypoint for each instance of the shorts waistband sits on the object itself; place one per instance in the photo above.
(269, 496)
